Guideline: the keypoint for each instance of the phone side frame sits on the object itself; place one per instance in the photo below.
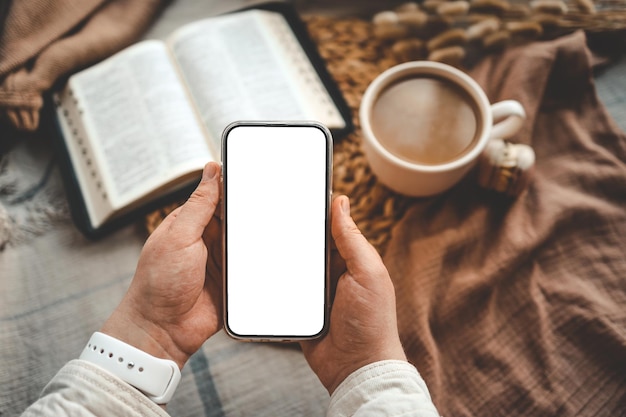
(327, 232)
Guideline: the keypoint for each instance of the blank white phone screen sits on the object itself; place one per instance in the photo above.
(275, 182)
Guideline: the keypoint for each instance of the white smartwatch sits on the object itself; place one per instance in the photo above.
(156, 378)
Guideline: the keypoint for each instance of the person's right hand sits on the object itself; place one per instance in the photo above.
(363, 325)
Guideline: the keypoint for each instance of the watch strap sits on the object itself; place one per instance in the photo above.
(156, 378)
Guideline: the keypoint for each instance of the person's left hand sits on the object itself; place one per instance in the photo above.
(174, 303)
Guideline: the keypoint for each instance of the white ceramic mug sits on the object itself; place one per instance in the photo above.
(414, 179)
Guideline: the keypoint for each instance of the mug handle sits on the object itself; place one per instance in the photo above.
(508, 117)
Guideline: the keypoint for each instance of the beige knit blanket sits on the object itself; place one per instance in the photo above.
(44, 40)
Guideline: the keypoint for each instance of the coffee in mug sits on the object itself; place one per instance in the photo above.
(425, 120)
(425, 124)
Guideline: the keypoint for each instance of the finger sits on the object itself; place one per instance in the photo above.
(360, 256)
(196, 213)
(212, 237)
(337, 264)
(167, 221)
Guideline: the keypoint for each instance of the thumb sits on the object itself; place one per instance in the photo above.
(196, 213)
(362, 259)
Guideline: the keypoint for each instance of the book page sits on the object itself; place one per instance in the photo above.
(141, 125)
(81, 154)
(249, 66)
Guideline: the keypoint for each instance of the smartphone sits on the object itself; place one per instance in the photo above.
(276, 229)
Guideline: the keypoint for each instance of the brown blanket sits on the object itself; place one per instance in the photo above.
(519, 307)
(43, 40)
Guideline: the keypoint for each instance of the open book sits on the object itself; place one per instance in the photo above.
(141, 124)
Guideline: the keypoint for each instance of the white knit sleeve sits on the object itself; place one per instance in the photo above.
(385, 388)
(83, 389)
